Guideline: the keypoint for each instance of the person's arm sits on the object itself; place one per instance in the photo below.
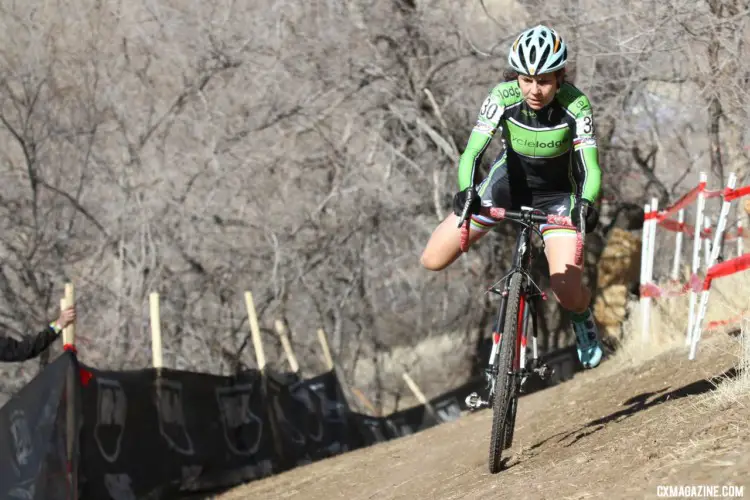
(33, 345)
(487, 125)
(30, 347)
(587, 172)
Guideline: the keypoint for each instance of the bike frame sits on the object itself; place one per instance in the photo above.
(522, 260)
(527, 217)
(521, 285)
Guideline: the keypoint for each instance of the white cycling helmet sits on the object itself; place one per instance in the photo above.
(538, 50)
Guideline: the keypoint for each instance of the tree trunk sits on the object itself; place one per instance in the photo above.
(715, 113)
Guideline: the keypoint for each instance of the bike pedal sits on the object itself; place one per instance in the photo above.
(544, 371)
(474, 402)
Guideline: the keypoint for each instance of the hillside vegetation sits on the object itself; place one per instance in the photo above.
(305, 151)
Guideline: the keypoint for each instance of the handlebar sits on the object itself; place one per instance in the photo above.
(525, 216)
(537, 216)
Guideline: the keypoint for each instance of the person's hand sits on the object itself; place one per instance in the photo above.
(587, 213)
(460, 198)
(67, 316)
(747, 205)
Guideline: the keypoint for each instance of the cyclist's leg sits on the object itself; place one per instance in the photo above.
(566, 278)
(444, 245)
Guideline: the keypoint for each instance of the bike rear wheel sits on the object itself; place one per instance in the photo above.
(504, 400)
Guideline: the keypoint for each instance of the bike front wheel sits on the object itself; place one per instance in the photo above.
(504, 399)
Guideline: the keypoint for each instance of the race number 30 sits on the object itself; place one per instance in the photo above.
(489, 109)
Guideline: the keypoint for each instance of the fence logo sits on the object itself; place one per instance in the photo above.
(112, 407)
(374, 426)
(291, 431)
(119, 486)
(313, 405)
(26, 463)
(23, 494)
(243, 429)
(333, 410)
(448, 410)
(169, 404)
(399, 427)
(22, 443)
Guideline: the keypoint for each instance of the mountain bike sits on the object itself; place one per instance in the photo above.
(508, 367)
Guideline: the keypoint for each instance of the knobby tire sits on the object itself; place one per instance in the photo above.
(503, 403)
(510, 419)
(510, 423)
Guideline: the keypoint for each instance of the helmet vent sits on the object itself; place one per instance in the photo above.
(545, 54)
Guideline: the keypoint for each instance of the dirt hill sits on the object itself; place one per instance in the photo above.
(618, 432)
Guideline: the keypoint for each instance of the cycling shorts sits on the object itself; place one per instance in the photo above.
(504, 189)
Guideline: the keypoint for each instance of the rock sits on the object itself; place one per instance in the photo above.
(620, 262)
(610, 308)
(618, 270)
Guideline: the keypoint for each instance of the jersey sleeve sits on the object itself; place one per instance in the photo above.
(488, 122)
(586, 152)
(30, 347)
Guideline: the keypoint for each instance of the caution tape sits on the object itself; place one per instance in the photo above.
(712, 325)
(696, 283)
(655, 291)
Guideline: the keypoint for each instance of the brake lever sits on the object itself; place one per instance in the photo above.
(464, 221)
(464, 244)
(467, 205)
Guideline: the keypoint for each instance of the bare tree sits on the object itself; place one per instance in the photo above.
(306, 152)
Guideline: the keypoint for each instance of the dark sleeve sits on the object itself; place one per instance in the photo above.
(30, 347)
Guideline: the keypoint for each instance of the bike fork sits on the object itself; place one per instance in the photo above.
(473, 400)
(523, 368)
(542, 370)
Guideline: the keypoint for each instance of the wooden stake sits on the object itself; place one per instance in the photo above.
(69, 333)
(323, 339)
(63, 306)
(366, 402)
(156, 349)
(255, 331)
(331, 365)
(420, 395)
(281, 330)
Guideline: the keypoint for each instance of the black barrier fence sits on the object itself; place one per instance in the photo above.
(151, 434)
(38, 460)
(76, 432)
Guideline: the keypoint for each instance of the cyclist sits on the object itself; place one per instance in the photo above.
(550, 161)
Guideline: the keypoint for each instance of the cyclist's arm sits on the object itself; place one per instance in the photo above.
(487, 124)
(586, 152)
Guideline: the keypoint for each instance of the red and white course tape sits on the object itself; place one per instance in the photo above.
(702, 235)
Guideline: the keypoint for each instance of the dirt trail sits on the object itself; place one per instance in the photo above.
(615, 433)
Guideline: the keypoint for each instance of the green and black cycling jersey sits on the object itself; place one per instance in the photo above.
(552, 150)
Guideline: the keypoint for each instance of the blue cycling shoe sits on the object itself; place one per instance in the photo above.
(587, 339)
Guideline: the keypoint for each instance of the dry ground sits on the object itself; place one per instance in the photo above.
(618, 432)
